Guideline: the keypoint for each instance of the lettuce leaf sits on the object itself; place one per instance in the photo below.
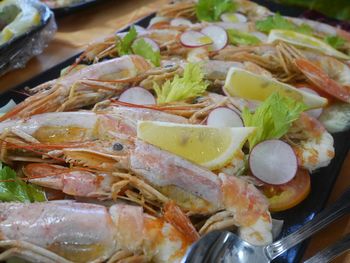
(211, 10)
(181, 88)
(335, 41)
(237, 37)
(14, 189)
(279, 22)
(144, 49)
(124, 44)
(273, 118)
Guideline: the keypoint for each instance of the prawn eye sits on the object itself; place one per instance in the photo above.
(118, 147)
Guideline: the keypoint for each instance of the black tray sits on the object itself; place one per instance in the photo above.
(322, 181)
(60, 11)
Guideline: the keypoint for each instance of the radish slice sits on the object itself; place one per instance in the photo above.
(218, 35)
(140, 29)
(224, 117)
(157, 19)
(137, 95)
(180, 22)
(194, 39)
(316, 113)
(273, 162)
(233, 17)
(153, 44)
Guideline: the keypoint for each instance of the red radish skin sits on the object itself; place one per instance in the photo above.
(224, 117)
(273, 162)
(193, 39)
(316, 113)
(218, 35)
(137, 95)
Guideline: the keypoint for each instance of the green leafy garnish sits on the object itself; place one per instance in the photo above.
(273, 118)
(127, 45)
(144, 49)
(14, 189)
(335, 41)
(124, 44)
(240, 38)
(279, 22)
(190, 85)
(210, 10)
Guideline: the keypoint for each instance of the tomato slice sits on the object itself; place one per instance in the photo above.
(283, 197)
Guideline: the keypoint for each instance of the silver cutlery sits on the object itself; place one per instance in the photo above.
(331, 252)
(225, 246)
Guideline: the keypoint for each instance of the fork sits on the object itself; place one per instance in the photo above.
(331, 252)
(224, 246)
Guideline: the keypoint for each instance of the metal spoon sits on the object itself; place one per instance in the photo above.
(224, 246)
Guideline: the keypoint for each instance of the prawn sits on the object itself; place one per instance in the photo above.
(84, 87)
(193, 188)
(311, 142)
(66, 231)
(328, 74)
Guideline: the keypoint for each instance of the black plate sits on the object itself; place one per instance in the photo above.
(12, 47)
(60, 11)
(322, 181)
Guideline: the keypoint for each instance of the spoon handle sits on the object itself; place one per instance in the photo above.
(328, 215)
(332, 251)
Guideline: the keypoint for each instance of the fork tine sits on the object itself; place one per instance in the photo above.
(198, 251)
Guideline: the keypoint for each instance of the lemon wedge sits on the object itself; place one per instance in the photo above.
(28, 17)
(247, 85)
(210, 147)
(305, 41)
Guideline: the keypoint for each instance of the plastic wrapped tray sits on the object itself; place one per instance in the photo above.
(16, 52)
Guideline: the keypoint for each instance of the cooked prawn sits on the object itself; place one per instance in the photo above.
(65, 231)
(329, 75)
(85, 87)
(311, 142)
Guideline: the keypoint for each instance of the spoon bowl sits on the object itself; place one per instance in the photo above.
(225, 246)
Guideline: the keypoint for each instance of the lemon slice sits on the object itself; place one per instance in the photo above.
(28, 17)
(211, 147)
(247, 85)
(306, 41)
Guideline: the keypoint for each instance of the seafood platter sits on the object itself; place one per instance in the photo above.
(206, 115)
